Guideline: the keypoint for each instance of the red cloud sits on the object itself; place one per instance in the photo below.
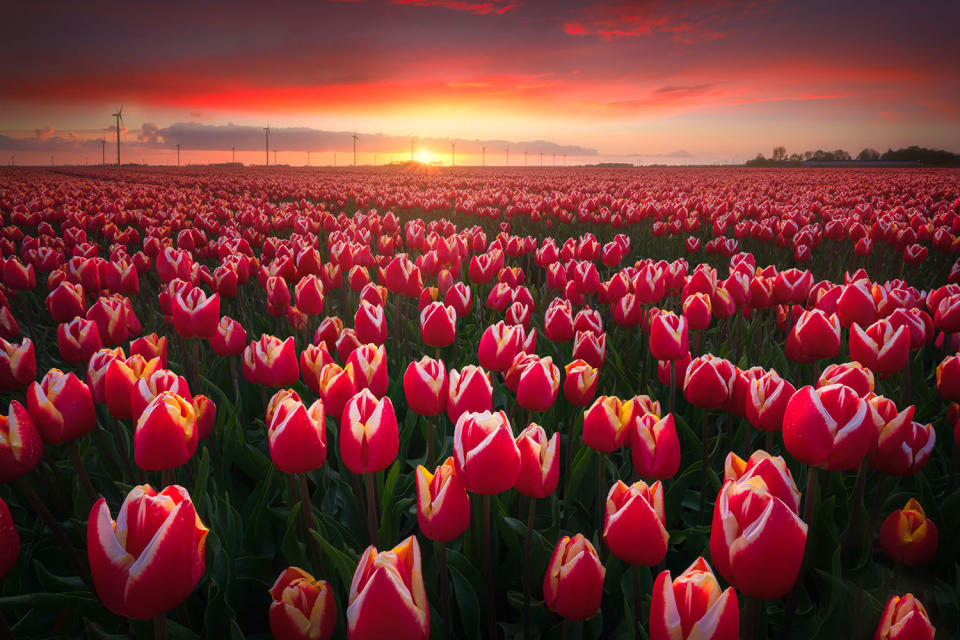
(686, 21)
(480, 8)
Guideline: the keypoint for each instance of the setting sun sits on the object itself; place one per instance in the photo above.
(424, 156)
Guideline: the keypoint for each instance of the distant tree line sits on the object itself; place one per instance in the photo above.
(925, 157)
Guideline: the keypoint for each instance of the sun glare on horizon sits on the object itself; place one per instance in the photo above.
(424, 156)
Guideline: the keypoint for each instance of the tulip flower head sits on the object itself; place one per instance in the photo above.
(692, 606)
(302, 607)
(828, 427)
(443, 505)
(908, 537)
(654, 446)
(369, 437)
(484, 452)
(387, 597)
(539, 462)
(150, 559)
(904, 618)
(61, 407)
(20, 444)
(425, 386)
(634, 527)
(166, 433)
(573, 583)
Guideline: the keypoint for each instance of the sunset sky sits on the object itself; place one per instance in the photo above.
(648, 81)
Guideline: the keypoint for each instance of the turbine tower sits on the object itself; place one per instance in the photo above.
(411, 149)
(355, 138)
(483, 160)
(508, 156)
(267, 134)
(103, 151)
(453, 154)
(178, 154)
(119, 116)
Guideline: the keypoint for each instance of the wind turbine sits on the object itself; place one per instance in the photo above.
(411, 149)
(355, 138)
(178, 154)
(267, 133)
(484, 157)
(119, 116)
(508, 156)
(524, 157)
(453, 154)
(103, 151)
(233, 155)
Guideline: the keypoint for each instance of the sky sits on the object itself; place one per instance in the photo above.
(650, 81)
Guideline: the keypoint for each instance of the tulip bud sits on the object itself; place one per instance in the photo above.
(65, 302)
(460, 297)
(206, 412)
(20, 444)
(150, 559)
(369, 437)
(856, 304)
(443, 505)
(150, 347)
(166, 434)
(908, 537)
(558, 321)
(425, 386)
(18, 364)
(948, 378)
(303, 608)
(370, 323)
(297, 436)
(756, 541)
(485, 453)
(498, 346)
(194, 314)
(438, 324)
(61, 407)
(654, 446)
(538, 384)
(78, 340)
(902, 446)
(271, 362)
(590, 347)
(229, 339)
(904, 618)
(120, 379)
(881, 348)
(147, 387)
(828, 427)
(634, 527)
(387, 596)
(708, 382)
(312, 360)
(668, 336)
(97, 369)
(9, 540)
(772, 472)
(697, 310)
(766, 401)
(692, 606)
(369, 364)
(335, 387)
(573, 583)
(815, 335)
(468, 390)
(851, 374)
(580, 383)
(309, 295)
(539, 462)
(606, 424)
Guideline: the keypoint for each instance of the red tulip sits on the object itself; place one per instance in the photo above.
(18, 276)
(498, 346)
(573, 583)
(580, 383)
(303, 608)
(370, 368)
(708, 381)
(369, 437)
(692, 606)
(947, 315)
(66, 302)
(828, 427)
(606, 424)
(634, 527)
(328, 332)
(654, 446)
(20, 444)
(908, 537)
(150, 559)
(425, 386)
(112, 318)
(558, 321)
(97, 371)
(9, 540)
(460, 297)
(443, 505)
(166, 434)
(757, 541)
(851, 374)
(278, 295)
(119, 380)
(387, 596)
(766, 401)
(18, 364)
(149, 386)
(948, 378)
(271, 362)
(668, 336)
(150, 347)
(539, 462)
(206, 412)
(370, 323)
(229, 339)
(78, 340)
(904, 618)
(312, 361)
(468, 390)
(517, 314)
(772, 472)
(902, 446)
(194, 314)
(537, 384)
(438, 324)
(61, 407)
(484, 452)
(297, 436)
(814, 336)
(590, 347)
(309, 295)
(335, 387)
(881, 348)
(697, 311)
(856, 304)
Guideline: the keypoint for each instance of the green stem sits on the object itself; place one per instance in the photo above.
(703, 461)
(444, 590)
(82, 472)
(488, 571)
(531, 514)
(751, 611)
(307, 509)
(371, 510)
(160, 627)
(637, 600)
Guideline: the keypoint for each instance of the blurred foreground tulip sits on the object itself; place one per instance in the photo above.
(387, 597)
(302, 607)
(150, 559)
(9, 540)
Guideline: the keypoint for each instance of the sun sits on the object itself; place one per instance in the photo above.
(424, 156)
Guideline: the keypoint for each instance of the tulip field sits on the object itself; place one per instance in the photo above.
(411, 403)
